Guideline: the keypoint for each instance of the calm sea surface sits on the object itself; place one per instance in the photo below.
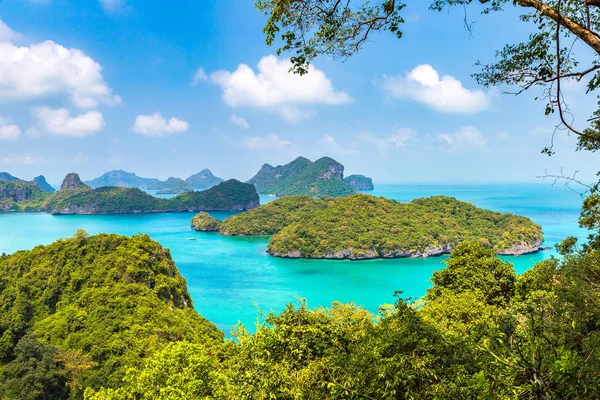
(230, 279)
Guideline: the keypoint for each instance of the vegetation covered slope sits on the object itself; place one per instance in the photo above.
(363, 226)
(18, 195)
(77, 198)
(323, 177)
(481, 332)
(81, 311)
(205, 223)
(271, 217)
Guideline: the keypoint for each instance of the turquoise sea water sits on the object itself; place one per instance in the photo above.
(229, 278)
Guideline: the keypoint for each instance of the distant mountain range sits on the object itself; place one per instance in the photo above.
(324, 177)
(201, 181)
(39, 180)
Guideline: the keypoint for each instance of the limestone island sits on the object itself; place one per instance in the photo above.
(362, 227)
(205, 223)
(324, 177)
(75, 197)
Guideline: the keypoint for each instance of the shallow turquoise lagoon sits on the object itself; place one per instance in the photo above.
(230, 279)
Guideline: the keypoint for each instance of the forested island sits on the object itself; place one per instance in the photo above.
(75, 197)
(364, 227)
(324, 177)
(109, 317)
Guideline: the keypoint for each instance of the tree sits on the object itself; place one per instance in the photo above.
(309, 28)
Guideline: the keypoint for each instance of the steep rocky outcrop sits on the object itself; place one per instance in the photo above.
(43, 184)
(18, 195)
(73, 182)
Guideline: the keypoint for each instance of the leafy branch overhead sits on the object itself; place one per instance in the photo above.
(336, 28)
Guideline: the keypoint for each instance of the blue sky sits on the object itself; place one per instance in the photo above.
(165, 88)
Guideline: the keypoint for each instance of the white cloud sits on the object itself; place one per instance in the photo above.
(274, 87)
(111, 5)
(269, 142)
(7, 34)
(239, 121)
(200, 76)
(423, 84)
(26, 160)
(156, 126)
(48, 69)
(59, 122)
(466, 135)
(330, 145)
(396, 140)
(8, 131)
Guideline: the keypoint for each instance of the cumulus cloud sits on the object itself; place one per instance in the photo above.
(274, 87)
(7, 34)
(59, 122)
(239, 121)
(49, 69)
(466, 135)
(269, 142)
(8, 131)
(330, 145)
(200, 76)
(446, 94)
(156, 126)
(396, 140)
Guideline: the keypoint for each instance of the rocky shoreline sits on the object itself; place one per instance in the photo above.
(348, 254)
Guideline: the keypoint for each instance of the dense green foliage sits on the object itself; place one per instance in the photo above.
(205, 223)
(86, 309)
(25, 196)
(481, 332)
(363, 226)
(323, 177)
(18, 195)
(270, 218)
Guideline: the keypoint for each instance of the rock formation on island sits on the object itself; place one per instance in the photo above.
(324, 177)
